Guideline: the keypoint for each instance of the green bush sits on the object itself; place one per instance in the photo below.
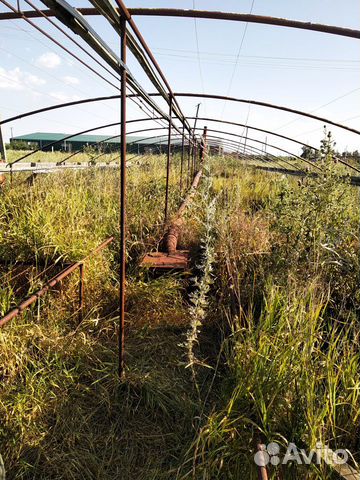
(316, 226)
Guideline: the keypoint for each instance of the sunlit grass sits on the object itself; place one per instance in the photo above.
(277, 348)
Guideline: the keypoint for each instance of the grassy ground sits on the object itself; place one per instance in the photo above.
(263, 346)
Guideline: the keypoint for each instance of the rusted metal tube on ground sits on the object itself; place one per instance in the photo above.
(173, 232)
(32, 299)
(51, 283)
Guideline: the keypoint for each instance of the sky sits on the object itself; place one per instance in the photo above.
(304, 70)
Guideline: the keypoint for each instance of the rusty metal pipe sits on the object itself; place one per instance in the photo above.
(270, 132)
(168, 163)
(262, 470)
(265, 104)
(124, 12)
(51, 283)
(173, 232)
(81, 292)
(182, 159)
(211, 15)
(122, 199)
(50, 37)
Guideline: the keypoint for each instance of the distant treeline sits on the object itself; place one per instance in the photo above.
(311, 154)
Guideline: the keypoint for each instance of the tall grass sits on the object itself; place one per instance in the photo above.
(63, 411)
(276, 358)
(286, 287)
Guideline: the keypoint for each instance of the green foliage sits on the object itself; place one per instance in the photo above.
(316, 222)
(63, 411)
(20, 145)
(295, 381)
(92, 153)
(275, 302)
(199, 299)
(308, 153)
(287, 287)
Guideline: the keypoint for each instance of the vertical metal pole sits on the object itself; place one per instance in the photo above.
(122, 199)
(246, 135)
(188, 163)
(81, 292)
(262, 470)
(194, 138)
(2, 147)
(182, 158)
(203, 146)
(194, 158)
(168, 163)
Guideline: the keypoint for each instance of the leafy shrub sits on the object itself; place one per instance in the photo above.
(316, 227)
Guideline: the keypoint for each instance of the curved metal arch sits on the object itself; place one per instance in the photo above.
(136, 131)
(268, 105)
(212, 15)
(261, 157)
(57, 106)
(233, 144)
(269, 145)
(109, 138)
(61, 140)
(182, 94)
(156, 137)
(229, 144)
(222, 138)
(226, 133)
(270, 132)
(253, 140)
(281, 136)
(252, 150)
(232, 147)
(211, 120)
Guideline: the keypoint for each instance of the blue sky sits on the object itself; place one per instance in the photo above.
(305, 70)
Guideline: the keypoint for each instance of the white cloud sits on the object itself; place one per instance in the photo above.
(16, 79)
(63, 97)
(48, 60)
(34, 80)
(71, 80)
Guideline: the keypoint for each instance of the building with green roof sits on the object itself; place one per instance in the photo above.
(57, 142)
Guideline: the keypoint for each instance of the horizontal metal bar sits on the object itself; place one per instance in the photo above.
(212, 15)
(249, 18)
(51, 283)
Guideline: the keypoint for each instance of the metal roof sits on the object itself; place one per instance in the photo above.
(54, 137)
